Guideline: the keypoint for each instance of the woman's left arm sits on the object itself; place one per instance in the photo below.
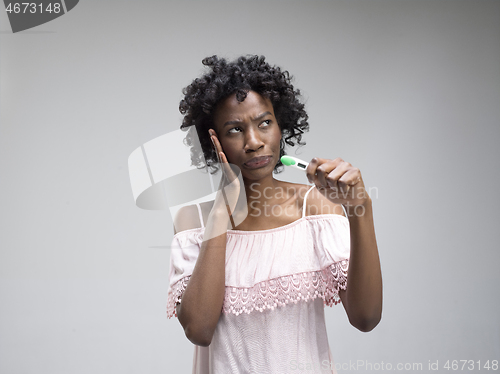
(341, 183)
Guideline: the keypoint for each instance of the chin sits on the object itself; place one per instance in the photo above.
(260, 173)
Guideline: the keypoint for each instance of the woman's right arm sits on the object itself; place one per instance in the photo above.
(201, 304)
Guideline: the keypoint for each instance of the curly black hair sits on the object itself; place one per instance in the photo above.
(247, 73)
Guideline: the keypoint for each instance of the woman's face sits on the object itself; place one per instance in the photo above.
(249, 134)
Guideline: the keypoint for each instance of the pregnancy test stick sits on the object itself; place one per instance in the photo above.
(295, 162)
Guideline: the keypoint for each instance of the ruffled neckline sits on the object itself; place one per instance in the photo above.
(266, 231)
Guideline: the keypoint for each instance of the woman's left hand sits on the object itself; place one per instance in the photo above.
(338, 181)
(341, 183)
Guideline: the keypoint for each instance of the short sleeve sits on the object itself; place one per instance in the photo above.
(332, 243)
(331, 237)
(184, 253)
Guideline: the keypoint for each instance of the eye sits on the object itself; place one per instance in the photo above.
(266, 122)
(236, 129)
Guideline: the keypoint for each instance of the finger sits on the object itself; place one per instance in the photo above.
(215, 141)
(219, 160)
(324, 170)
(347, 181)
(230, 171)
(216, 144)
(332, 179)
(351, 177)
(227, 168)
(319, 168)
(312, 169)
(224, 164)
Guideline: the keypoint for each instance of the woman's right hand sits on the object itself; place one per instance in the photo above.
(230, 186)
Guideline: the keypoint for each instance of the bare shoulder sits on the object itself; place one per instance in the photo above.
(318, 204)
(188, 217)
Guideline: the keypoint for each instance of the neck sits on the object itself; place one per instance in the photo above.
(264, 190)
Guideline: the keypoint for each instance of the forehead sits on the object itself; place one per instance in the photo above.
(230, 109)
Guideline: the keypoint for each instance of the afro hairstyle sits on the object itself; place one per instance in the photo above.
(224, 78)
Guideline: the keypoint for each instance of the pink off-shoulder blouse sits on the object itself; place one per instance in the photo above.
(277, 283)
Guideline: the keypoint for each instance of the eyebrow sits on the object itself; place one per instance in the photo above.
(237, 121)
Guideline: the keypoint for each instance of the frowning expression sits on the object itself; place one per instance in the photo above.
(249, 134)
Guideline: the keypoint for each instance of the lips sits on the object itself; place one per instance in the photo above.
(258, 162)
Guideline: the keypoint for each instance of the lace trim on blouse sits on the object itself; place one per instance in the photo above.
(324, 284)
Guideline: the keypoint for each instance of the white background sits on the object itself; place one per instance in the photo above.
(408, 91)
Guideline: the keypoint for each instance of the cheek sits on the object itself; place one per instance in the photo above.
(277, 138)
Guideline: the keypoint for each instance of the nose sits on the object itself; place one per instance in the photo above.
(253, 140)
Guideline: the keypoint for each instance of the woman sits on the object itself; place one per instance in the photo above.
(249, 285)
